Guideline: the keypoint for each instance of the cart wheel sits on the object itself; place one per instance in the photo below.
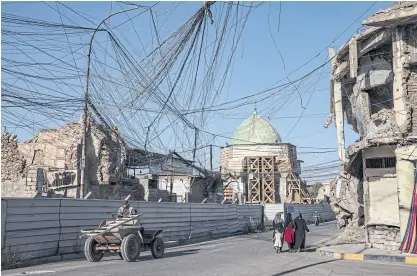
(120, 255)
(90, 250)
(157, 248)
(130, 248)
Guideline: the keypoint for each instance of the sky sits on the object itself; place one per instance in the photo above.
(277, 39)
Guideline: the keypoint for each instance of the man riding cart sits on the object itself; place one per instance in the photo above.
(124, 235)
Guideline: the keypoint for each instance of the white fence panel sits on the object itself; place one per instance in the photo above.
(172, 218)
(270, 211)
(307, 211)
(249, 214)
(211, 220)
(3, 220)
(77, 214)
(31, 234)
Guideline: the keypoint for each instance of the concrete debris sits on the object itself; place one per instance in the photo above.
(351, 235)
(345, 197)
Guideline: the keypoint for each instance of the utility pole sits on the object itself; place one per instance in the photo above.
(211, 158)
(172, 177)
(83, 181)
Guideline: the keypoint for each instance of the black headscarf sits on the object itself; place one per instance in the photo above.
(288, 219)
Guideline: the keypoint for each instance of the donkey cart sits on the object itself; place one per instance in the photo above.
(123, 236)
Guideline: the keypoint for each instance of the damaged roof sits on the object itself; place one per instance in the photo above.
(402, 13)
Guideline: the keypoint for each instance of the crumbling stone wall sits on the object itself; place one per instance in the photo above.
(17, 180)
(384, 237)
(58, 151)
(60, 148)
(13, 163)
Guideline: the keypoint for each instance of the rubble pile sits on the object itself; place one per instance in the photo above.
(347, 206)
(350, 235)
(13, 163)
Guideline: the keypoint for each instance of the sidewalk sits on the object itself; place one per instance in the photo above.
(362, 252)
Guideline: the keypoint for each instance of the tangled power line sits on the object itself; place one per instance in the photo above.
(159, 95)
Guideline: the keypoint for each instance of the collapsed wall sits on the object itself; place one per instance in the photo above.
(13, 163)
(58, 153)
(17, 179)
(61, 148)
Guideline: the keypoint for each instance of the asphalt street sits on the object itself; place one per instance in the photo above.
(239, 255)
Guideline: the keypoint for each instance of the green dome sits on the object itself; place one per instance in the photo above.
(255, 130)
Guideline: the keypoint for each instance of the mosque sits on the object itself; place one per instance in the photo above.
(259, 168)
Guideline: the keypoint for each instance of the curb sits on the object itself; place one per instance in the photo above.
(410, 260)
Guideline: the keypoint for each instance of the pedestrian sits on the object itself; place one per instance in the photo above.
(278, 234)
(289, 232)
(300, 232)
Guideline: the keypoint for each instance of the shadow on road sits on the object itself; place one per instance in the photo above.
(171, 254)
(302, 267)
(150, 257)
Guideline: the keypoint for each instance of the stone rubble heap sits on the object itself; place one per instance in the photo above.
(351, 235)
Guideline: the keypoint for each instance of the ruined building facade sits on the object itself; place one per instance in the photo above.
(50, 165)
(257, 167)
(374, 89)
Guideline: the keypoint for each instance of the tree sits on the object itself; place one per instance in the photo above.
(314, 189)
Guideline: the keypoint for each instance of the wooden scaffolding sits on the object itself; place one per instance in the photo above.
(261, 179)
(297, 192)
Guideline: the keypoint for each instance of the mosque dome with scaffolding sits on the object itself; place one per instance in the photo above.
(255, 130)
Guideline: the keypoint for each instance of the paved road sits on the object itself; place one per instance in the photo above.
(241, 255)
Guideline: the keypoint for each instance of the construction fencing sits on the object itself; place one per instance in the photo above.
(306, 210)
(325, 211)
(43, 228)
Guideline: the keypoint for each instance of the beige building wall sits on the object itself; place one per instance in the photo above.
(231, 157)
(382, 199)
(406, 171)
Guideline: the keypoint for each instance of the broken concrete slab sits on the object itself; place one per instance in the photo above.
(399, 15)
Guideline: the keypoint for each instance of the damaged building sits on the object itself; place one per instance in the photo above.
(374, 89)
(173, 178)
(258, 168)
(50, 165)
